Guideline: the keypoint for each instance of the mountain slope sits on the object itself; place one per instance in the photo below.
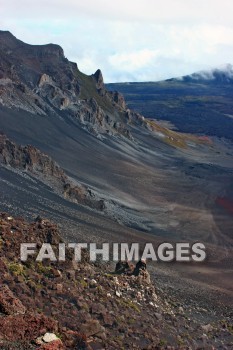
(123, 158)
(156, 184)
(136, 166)
(86, 305)
(29, 160)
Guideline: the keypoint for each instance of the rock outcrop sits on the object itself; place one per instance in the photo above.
(30, 159)
(98, 76)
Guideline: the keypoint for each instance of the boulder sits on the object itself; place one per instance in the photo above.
(140, 266)
(122, 267)
(49, 337)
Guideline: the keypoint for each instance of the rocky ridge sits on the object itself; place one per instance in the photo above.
(30, 160)
(39, 79)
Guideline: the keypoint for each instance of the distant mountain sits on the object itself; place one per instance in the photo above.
(199, 103)
(221, 75)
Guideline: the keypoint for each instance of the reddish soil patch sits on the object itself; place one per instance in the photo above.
(226, 203)
(205, 139)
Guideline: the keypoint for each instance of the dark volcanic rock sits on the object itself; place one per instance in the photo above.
(99, 79)
(118, 98)
(140, 266)
(10, 305)
(28, 158)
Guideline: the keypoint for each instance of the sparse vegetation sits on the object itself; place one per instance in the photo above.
(88, 89)
(16, 268)
(43, 269)
(129, 304)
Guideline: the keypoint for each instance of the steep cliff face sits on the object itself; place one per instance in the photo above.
(28, 158)
(39, 79)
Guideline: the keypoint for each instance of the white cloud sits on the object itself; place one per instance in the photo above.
(131, 61)
(148, 10)
(128, 40)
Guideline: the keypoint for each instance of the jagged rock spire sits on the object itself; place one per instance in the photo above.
(99, 79)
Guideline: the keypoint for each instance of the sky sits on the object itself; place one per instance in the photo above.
(129, 40)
